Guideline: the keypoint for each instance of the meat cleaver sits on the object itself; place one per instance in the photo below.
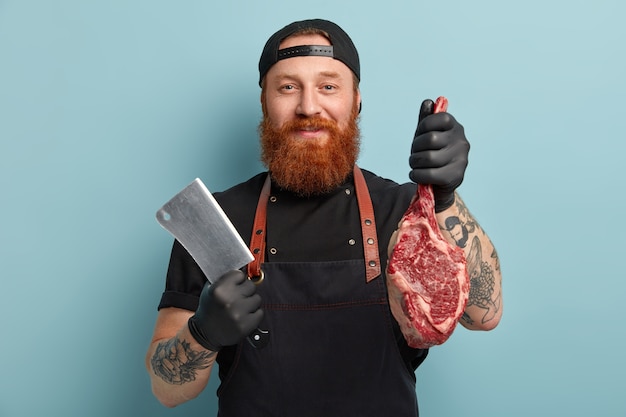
(196, 220)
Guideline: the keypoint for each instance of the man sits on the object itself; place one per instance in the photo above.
(329, 345)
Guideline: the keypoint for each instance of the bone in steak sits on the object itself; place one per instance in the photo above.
(427, 278)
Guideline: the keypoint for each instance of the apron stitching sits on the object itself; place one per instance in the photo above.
(295, 307)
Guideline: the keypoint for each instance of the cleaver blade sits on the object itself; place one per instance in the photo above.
(196, 220)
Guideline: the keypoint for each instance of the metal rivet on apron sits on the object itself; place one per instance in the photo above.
(273, 251)
(273, 199)
(368, 222)
(351, 242)
(372, 263)
(258, 232)
(348, 192)
(370, 241)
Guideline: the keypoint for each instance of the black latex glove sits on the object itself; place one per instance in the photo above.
(229, 310)
(439, 154)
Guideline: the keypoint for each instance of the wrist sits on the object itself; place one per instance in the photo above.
(443, 202)
(197, 333)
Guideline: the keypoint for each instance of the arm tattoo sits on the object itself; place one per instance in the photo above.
(176, 363)
(482, 283)
(460, 227)
(496, 259)
(482, 278)
(457, 230)
(466, 218)
(467, 319)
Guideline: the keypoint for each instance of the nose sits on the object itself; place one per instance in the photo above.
(309, 104)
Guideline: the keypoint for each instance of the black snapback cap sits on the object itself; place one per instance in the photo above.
(341, 47)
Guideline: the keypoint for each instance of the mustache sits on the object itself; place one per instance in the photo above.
(309, 123)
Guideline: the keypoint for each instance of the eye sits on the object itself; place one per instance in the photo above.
(287, 88)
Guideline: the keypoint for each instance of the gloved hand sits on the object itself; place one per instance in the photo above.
(229, 310)
(438, 154)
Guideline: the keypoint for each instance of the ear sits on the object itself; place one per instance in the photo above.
(262, 100)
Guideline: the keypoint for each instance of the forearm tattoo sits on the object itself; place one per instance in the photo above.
(482, 283)
(176, 363)
(464, 229)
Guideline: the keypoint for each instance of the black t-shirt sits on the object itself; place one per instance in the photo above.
(311, 229)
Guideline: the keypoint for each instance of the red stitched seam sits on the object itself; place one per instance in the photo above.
(296, 307)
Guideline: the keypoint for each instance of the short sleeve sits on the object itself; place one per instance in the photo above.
(184, 281)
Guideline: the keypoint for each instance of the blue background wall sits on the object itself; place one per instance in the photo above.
(108, 108)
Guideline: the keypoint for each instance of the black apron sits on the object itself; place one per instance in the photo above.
(331, 349)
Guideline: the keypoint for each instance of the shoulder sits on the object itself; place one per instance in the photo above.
(388, 192)
(246, 189)
(239, 203)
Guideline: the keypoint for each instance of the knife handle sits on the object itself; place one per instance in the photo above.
(259, 338)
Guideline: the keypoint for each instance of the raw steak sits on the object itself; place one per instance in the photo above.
(427, 277)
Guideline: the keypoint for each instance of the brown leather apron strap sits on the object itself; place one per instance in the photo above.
(368, 226)
(257, 241)
(368, 230)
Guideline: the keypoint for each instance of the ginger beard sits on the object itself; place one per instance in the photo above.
(306, 167)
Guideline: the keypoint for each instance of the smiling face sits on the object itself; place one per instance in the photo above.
(309, 133)
(309, 86)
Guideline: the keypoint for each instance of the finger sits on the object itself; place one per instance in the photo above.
(443, 176)
(430, 141)
(252, 322)
(439, 122)
(422, 175)
(247, 288)
(430, 159)
(426, 109)
(430, 176)
(235, 277)
(250, 304)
